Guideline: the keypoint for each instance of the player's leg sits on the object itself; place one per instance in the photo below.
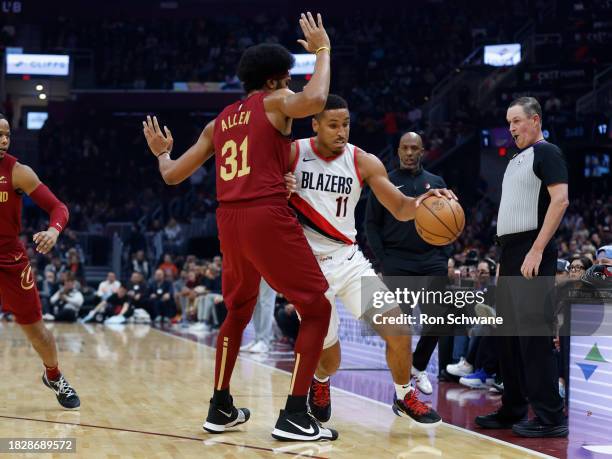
(20, 296)
(357, 294)
(329, 362)
(319, 396)
(240, 287)
(42, 341)
(281, 253)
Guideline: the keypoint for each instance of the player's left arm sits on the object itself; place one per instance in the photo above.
(402, 207)
(176, 171)
(26, 180)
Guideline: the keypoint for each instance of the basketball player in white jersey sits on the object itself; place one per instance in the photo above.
(330, 174)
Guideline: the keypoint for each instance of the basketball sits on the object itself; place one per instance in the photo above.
(439, 221)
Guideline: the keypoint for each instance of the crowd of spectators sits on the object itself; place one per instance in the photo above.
(428, 39)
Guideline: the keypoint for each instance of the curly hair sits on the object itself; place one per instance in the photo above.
(262, 62)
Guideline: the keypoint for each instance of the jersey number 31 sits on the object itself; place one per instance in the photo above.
(230, 169)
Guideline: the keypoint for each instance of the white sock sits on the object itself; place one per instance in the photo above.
(323, 380)
(401, 390)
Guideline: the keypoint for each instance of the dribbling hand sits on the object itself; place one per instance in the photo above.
(314, 33)
(157, 141)
(438, 192)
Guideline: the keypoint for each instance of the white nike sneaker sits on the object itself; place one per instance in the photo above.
(463, 368)
(260, 347)
(301, 426)
(247, 347)
(422, 381)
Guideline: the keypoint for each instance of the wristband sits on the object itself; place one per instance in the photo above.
(163, 153)
(322, 48)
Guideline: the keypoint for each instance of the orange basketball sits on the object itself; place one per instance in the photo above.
(439, 221)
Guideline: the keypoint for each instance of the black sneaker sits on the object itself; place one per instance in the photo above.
(319, 400)
(411, 407)
(301, 427)
(223, 417)
(496, 420)
(535, 428)
(66, 395)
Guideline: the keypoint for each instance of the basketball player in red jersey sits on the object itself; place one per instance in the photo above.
(331, 174)
(259, 234)
(18, 292)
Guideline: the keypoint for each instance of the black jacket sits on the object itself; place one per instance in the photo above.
(397, 245)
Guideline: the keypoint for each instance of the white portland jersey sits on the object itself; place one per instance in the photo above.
(328, 190)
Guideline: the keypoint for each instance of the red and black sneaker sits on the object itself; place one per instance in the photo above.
(411, 407)
(319, 400)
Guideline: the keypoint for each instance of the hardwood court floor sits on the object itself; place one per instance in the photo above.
(145, 394)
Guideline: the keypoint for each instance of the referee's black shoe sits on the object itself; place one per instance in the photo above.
(496, 420)
(221, 417)
(535, 428)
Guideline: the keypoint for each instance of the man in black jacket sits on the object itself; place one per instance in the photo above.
(400, 251)
(161, 304)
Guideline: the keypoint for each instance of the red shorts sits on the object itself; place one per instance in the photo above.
(268, 241)
(18, 292)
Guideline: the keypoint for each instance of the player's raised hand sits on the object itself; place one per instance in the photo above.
(159, 142)
(46, 240)
(315, 36)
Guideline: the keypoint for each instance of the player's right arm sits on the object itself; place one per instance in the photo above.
(175, 171)
(400, 206)
(314, 95)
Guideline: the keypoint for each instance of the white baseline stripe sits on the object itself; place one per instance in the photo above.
(470, 432)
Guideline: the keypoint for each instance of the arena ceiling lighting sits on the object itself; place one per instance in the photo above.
(38, 64)
(502, 55)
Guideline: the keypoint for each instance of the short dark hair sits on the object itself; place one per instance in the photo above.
(585, 261)
(530, 105)
(262, 62)
(334, 102)
(2, 117)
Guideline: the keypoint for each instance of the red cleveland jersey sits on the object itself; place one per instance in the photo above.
(251, 155)
(10, 202)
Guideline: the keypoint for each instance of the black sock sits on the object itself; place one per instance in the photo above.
(295, 404)
(222, 397)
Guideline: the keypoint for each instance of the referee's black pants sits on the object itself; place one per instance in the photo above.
(528, 364)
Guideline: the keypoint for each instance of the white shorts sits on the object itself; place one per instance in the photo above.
(346, 271)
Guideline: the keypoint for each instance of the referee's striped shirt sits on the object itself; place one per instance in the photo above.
(525, 197)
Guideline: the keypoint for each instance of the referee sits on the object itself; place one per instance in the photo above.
(533, 201)
(401, 251)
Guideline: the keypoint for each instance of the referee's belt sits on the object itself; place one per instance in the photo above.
(512, 238)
